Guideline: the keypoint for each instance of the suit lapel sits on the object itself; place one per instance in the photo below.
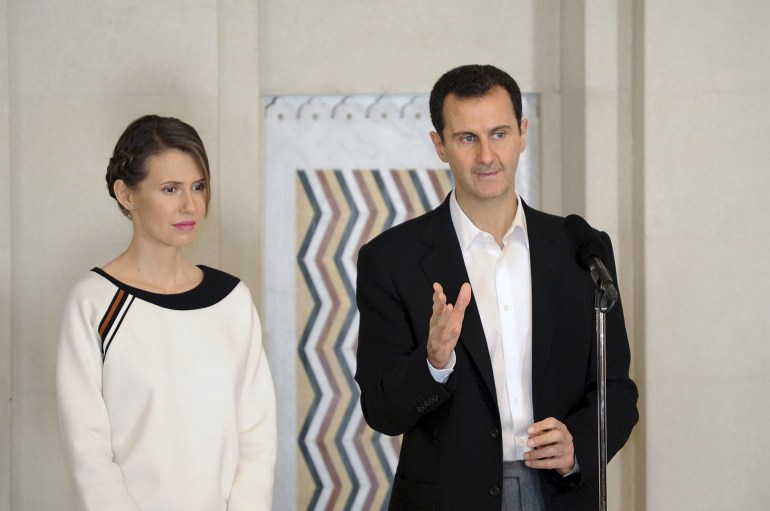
(444, 264)
(546, 266)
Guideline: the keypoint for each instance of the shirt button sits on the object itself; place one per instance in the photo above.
(494, 432)
(505, 307)
(494, 491)
(521, 440)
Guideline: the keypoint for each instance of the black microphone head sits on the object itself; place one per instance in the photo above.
(587, 242)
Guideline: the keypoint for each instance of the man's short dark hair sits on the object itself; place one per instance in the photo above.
(469, 82)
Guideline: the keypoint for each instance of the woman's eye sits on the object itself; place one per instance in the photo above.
(169, 189)
(199, 187)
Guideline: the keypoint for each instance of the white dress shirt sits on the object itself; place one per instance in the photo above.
(500, 279)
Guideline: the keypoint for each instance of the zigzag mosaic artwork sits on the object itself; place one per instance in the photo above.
(345, 464)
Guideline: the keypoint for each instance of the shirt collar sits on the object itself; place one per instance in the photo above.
(467, 231)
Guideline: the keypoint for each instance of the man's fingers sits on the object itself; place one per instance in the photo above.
(448, 318)
(552, 447)
(549, 436)
(463, 298)
(549, 451)
(438, 293)
(446, 323)
(562, 464)
(544, 425)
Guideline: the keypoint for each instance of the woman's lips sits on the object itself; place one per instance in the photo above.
(185, 226)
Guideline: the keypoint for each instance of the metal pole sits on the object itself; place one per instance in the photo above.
(601, 365)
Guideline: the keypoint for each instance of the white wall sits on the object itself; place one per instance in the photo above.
(5, 270)
(707, 236)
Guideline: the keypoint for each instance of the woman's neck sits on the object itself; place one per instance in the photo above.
(159, 270)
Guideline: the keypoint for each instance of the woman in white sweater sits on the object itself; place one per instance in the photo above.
(165, 396)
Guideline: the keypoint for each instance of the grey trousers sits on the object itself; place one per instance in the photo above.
(521, 488)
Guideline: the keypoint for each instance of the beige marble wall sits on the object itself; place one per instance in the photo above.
(6, 404)
(608, 27)
(707, 224)
(240, 113)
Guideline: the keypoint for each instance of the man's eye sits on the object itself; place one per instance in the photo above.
(499, 135)
(468, 139)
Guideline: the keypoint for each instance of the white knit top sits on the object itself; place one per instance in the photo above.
(166, 401)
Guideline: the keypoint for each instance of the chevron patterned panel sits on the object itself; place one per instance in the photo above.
(344, 465)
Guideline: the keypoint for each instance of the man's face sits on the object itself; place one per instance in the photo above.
(482, 143)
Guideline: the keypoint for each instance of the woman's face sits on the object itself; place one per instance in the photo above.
(170, 203)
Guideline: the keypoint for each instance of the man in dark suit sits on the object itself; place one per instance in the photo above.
(496, 394)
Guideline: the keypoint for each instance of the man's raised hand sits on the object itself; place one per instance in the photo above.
(446, 324)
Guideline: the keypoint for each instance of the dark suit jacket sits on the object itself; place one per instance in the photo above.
(451, 455)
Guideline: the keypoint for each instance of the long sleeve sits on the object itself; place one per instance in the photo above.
(83, 420)
(253, 485)
(397, 389)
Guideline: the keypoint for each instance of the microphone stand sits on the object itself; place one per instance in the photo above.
(589, 254)
(601, 306)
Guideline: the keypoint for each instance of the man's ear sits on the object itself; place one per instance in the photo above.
(438, 145)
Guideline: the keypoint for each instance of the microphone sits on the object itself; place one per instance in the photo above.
(590, 254)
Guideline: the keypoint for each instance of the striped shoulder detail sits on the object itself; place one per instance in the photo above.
(112, 319)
